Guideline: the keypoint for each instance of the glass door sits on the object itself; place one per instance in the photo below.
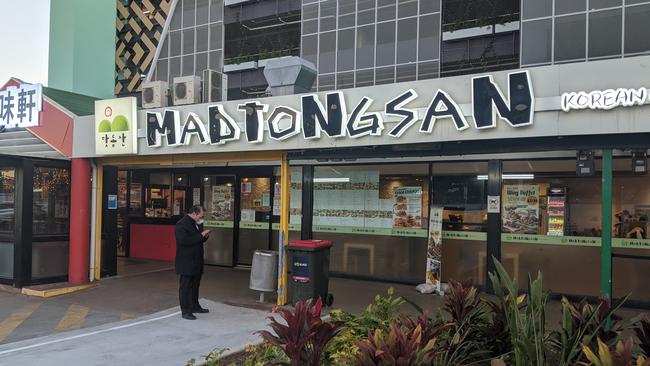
(7, 221)
(219, 203)
(255, 217)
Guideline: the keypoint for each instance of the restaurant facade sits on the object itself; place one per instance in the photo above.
(543, 168)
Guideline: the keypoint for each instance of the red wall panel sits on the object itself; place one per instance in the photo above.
(153, 242)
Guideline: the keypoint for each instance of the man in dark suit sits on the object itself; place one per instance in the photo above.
(190, 237)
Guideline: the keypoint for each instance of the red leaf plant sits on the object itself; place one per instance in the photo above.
(305, 334)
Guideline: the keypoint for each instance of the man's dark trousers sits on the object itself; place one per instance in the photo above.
(188, 293)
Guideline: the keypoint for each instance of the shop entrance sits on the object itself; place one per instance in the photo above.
(239, 213)
(238, 203)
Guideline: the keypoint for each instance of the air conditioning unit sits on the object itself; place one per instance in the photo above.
(187, 90)
(154, 94)
(214, 86)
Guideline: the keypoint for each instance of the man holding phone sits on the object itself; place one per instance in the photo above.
(190, 237)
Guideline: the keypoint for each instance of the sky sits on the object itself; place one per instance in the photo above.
(25, 38)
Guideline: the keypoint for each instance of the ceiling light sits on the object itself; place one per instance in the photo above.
(508, 176)
(331, 180)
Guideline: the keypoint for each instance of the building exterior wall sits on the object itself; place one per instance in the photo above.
(82, 46)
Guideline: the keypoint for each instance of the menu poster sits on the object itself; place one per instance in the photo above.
(136, 195)
(121, 194)
(434, 247)
(407, 207)
(221, 203)
(521, 208)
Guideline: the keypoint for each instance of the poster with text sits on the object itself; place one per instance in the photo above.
(221, 203)
(407, 207)
(521, 208)
(434, 247)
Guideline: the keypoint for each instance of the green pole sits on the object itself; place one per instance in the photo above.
(606, 239)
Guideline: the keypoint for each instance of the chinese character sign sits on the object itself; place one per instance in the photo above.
(116, 126)
(20, 106)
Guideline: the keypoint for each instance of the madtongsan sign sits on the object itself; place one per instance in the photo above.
(336, 118)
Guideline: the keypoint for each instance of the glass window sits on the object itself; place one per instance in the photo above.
(177, 19)
(215, 60)
(366, 5)
(428, 70)
(366, 17)
(309, 48)
(365, 47)
(600, 4)
(180, 190)
(386, 12)
(174, 67)
(385, 75)
(188, 41)
(406, 73)
(429, 6)
(385, 43)
(429, 41)
(6, 260)
(138, 179)
(344, 80)
(50, 259)
(365, 78)
(310, 26)
(636, 28)
(188, 65)
(327, 57)
(376, 215)
(202, 13)
(326, 82)
(407, 34)
(201, 39)
(51, 206)
(295, 206)
(189, 8)
(347, 14)
(537, 8)
(462, 197)
(605, 33)
(536, 42)
(345, 54)
(569, 6)
(551, 223)
(201, 63)
(175, 43)
(7, 200)
(310, 12)
(327, 15)
(158, 198)
(630, 214)
(570, 34)
(216, 10)
(407, 8)
(162, 70)
(215, 36)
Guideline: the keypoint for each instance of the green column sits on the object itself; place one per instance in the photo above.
(606, 240)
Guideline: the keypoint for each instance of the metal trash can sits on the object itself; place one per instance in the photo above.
(264, 272)
(310, 262)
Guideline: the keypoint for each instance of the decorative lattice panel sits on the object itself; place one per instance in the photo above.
(138, 30)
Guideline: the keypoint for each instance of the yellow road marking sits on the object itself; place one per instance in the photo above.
(126, 316)
(15, 319)
(73, 318)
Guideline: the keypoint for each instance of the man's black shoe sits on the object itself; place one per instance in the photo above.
(189, 316)
(200, 310)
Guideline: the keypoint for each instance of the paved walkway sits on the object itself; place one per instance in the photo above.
(162, 338)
